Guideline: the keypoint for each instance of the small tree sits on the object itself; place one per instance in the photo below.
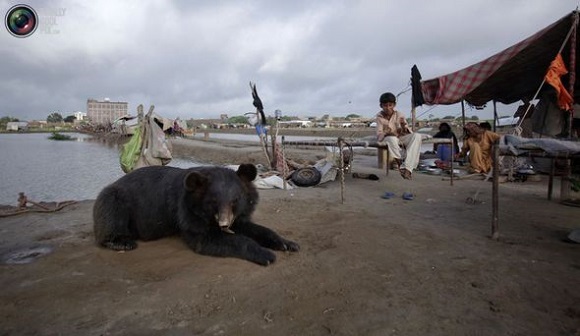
(6, 120)
(238, 120)
(70, 119)
(54, 117)
(352, 116)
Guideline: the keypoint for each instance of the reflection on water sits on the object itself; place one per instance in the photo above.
(48, 170)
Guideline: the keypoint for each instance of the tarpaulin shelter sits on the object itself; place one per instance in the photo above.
(509, 75)
(516, 73)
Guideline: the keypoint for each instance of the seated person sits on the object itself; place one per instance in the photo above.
(392, 129)
(445, 132)
(478, 142)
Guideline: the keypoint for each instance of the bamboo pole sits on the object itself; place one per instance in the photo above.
(263, 141)
(495, 192)
(274, 138)
(495, 182)
(565, 179)
(341, 166)
(413, 118)
(462, 114)
(285, 172)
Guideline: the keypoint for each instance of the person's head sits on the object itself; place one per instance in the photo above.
(472, 129)
(485, 125)
(444, 127)
(387, 101)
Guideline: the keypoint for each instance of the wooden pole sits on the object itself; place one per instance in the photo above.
(284, 173)
(462, 114)
(495, 192)
(341, 168)
(413, 118)
(274, 138)
(565, 179)
(452, 159)
(495, 188)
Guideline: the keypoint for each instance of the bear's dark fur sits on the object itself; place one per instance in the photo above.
(210, 207)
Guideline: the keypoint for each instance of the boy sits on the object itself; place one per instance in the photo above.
(392, 129)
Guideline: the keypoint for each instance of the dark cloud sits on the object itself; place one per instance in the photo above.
(194, 59)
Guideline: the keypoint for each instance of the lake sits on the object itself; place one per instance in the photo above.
(54, 171)
(48, 170)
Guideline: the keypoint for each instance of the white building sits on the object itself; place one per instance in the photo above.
(79, 116)
(16, 125)
(106, 111)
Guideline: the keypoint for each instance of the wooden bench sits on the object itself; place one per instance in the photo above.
(384, 159)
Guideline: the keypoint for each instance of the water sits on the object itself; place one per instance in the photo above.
(47, 170)
(54, 171)
(255, 137)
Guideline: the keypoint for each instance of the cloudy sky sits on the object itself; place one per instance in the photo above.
(194, 59)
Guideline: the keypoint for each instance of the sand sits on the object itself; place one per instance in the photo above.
(368, 265)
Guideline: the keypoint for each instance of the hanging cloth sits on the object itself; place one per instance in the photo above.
(555, 71)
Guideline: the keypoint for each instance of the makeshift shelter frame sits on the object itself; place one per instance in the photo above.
(495, 95)
(341, 143)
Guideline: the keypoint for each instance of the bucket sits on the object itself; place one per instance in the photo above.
(444, 152)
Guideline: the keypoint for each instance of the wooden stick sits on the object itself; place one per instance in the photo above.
(341, 165)
(285, 164)
(495, 193)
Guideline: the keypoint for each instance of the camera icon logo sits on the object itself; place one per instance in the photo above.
(21, 21)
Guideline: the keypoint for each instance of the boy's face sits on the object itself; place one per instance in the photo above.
(388, 107)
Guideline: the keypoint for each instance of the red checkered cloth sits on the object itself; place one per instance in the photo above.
(457, 86)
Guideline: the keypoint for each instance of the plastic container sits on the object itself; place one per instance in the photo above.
(444, 152)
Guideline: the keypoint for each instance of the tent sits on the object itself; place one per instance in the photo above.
(509, 75)
(516, 73)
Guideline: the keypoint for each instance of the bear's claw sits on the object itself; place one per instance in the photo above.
(291, 246)
(120, 245)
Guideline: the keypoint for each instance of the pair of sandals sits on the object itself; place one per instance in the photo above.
(405, 173)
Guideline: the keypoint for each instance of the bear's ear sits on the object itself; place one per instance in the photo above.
(194, 181)
(247, 172)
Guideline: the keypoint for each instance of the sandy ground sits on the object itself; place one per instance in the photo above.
(368, 266)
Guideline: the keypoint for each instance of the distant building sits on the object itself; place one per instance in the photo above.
(80, 115)
(106, 111)
(16, 126)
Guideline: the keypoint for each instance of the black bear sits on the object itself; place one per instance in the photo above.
(210, 207)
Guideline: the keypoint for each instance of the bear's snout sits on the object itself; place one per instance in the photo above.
(225, 216)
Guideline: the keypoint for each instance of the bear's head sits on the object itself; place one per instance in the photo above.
(221, 194)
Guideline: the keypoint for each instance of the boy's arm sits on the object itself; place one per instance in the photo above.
(380, 132)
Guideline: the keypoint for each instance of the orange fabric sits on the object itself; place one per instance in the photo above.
(555, 71)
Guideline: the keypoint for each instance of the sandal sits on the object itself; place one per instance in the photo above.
(406, 174)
